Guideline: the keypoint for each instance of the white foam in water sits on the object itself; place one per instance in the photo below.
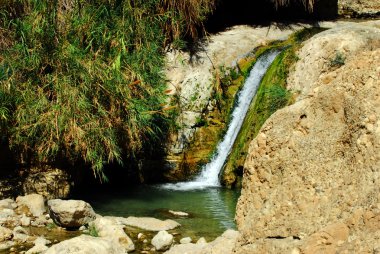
(209, 176)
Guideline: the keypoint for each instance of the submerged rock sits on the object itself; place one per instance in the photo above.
(179, 213)
(150, 224)
(70, 213)
(162, 240)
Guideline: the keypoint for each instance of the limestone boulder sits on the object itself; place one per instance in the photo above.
(312, 175)
(162, 240)
(33, 204)
(85, 244)
(70, 213)
(107, 228)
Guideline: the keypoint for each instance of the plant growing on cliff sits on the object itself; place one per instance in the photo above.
(82, 80)
(338, 60)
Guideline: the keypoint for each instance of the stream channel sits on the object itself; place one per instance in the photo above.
(211, 207)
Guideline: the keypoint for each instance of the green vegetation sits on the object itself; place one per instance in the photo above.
(81, 81)
(271, 96)
(92, 231)
(338, 60)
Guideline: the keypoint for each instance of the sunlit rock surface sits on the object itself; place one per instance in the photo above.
(312, 177)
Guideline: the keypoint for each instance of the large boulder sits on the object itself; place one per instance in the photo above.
(162, 240)
(51, 183)
(312, 176)
(110, 229)
(85, 244)
(70, 213)
(33, 204)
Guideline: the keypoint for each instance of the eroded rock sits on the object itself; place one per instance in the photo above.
(107, 228)
(70, 213)
(312, 174)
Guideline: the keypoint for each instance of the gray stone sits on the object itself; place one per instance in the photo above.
(70, 213)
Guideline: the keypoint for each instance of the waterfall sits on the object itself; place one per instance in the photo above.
(209, 177)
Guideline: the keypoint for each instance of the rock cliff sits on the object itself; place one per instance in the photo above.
(359, 8)
(191, 80)
(312, 177)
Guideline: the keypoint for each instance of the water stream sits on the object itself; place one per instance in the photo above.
(209, 176)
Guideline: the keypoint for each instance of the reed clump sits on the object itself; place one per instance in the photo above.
(81, 81)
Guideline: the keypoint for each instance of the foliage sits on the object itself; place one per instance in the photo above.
(82, 80)
(92, 231)
(338, 60)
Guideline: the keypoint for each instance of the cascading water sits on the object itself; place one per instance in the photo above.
(209, 176)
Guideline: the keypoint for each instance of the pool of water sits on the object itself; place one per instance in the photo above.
(211, 210)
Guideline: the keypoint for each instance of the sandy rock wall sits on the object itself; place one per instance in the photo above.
(363, 8)
(312, 177)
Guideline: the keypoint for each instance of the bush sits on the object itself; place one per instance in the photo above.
(82, 80)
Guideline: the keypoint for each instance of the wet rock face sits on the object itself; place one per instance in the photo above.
(312, 177)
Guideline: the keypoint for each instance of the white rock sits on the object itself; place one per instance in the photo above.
(20, 230)
(41, 241)
(34, 202)
(162, 240)
(5, 234)
(140, 235)
(85, 244)
(25, 221)
(70, 213)
(201, 240)
(37, 249)
(6, 245)
(107, 228)
(179, 213)
(185, 240)
(7, 204)
(150, 224)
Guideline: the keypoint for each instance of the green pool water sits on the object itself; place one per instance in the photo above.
(211, 210)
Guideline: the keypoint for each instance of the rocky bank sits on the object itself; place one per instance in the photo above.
(312, 177)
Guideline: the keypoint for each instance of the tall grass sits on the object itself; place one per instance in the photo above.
(82, 80)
